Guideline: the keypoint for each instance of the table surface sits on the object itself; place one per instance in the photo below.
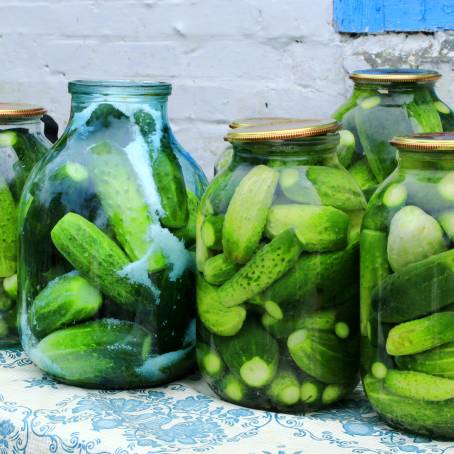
(39, 415)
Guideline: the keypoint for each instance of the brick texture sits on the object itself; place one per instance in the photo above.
(225, 58)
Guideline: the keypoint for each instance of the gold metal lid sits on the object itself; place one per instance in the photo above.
(284, 131)
(20, 110)
(257, 121)
(441, 141)
(399, 75)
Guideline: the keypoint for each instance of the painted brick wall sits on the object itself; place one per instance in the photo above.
(226, 58)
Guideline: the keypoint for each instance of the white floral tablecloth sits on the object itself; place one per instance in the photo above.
(38, 415)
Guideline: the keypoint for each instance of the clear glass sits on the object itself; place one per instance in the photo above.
(106, 283)
(375, 113)
(407, 288)
(278, 281)
(22, 144)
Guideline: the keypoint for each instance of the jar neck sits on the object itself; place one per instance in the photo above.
(393, 87)
(412, 160)
(314, 150)
(32, 125)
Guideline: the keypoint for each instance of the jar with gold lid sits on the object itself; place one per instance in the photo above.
(387, 102)
(278, 283)
(22, 144)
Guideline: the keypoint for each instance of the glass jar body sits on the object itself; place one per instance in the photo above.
(107, 298)
(406, 275)
(22, 144)
(277, 247)
(377, 112)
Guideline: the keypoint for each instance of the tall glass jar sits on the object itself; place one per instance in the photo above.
(106, 284)
(22, 144)
(226, 156)
(407, 288)
(278, 281)
(385, 103)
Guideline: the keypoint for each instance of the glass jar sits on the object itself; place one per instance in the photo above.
(386, 103)
(22, 143)
(106, 284)
(407, 288)
(226, 156)
(278, 281)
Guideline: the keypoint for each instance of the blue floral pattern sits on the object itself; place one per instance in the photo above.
(39, 415)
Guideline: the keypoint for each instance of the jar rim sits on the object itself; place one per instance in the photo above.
(16, 110)
(139, 87)
(396, 75)
(284, 131)
(439, 141)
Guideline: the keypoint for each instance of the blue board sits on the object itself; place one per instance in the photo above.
(376, 16)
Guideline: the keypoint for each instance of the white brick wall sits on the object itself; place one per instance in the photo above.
(226, 58)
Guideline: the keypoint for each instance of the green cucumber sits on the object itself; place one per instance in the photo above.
(364, 177)
(319, 228)
(97, 258)
(188, 232)
(420, 386)
(218, 269)
(323, 274)
(71, 171)
(310, 391)
(424, 112)
(103, 115)
(319, 185)
(252, 355)
(420, 335)
(6, 303)
(169, 180)
(439, 361)
(212, 232)
(123, 201)
(266, 266)
(8, 226)
(428, 284)
(209, 360)
(10, 286)
(395, 195)
(233, 388)
(247, 213)
(446, 220)
(8, 138)
(285, 388)
(202, 253)
(423, 417)
(346, 147)
(413, 236)
(324, 356)
(332, 393)
(217, 318)
(102, 352)
(167, 173)
(375, 128)
(379, 370)
(446, 187)
(374, 268)
(66, 300)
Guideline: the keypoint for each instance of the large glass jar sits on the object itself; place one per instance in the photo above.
(106, 283)
(386, 103)
(278, 281)
(407, 289)
(226, 156)
(22, 143)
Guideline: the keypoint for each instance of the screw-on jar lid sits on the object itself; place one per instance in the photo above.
(16, 110)
(257, 121)
(284, 131)
(398, 75)
(440, 141)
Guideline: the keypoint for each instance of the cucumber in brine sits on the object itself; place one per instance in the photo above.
(8, 225)
(252, 354)
(123, 201)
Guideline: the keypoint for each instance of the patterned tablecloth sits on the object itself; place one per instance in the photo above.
(38, 415)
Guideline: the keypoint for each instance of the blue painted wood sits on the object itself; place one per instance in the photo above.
(375, 16)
